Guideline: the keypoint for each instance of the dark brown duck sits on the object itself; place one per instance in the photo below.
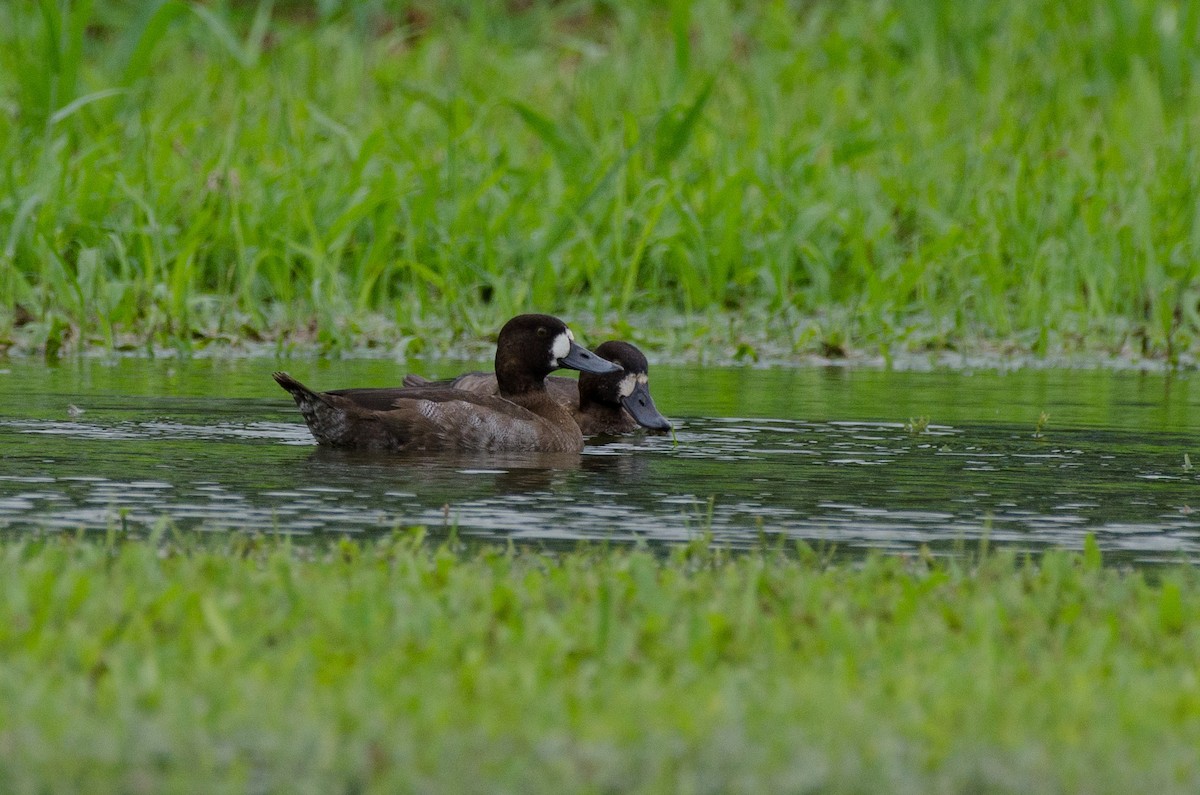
(601, 403)
(521, 416)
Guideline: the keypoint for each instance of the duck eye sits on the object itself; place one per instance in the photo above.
(541, 332)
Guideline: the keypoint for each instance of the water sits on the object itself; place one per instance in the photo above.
(821, 454)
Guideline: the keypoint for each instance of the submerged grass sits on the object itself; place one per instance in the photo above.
(391, 665)
(876, 175)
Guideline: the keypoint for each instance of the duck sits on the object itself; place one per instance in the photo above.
(521, 416)
(603, 404)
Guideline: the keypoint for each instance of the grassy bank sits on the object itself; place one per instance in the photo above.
(393, 666)
(903, 175)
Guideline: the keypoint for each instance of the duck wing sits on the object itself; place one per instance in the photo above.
(564, 390)
(384, 398)
(478, 382)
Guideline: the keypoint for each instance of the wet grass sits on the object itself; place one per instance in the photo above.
(871, 176)
(237, 664)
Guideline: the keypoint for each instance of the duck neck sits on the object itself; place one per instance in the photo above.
(514, 377)
(600, 408)
(600, 395)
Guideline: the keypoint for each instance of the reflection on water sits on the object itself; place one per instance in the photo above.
(827, 456)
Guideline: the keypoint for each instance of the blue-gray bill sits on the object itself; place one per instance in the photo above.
(641, 407)
(580, 358)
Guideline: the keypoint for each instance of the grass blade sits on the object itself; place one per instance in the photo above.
(149, 33)
(70, 109)
(674, 133)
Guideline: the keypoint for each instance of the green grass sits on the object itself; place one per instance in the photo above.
(237, 664)
(873, 175)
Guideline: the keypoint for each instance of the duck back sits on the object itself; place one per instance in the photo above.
(565, 391)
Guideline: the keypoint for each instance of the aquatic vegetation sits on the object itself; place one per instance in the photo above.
(394, 665)
(874, 176)
(1042, 420)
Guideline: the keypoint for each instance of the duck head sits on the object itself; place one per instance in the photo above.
(530, 347)
(630, 387)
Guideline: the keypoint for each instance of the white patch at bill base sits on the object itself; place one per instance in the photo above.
(561, 347)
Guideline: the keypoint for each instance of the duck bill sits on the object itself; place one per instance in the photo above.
(580, 358)
(641, 407)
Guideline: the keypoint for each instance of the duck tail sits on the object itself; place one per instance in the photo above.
(299, 391)
(327, 421)
(415, 380)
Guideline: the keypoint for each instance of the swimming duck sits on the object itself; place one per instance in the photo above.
(608, 403)
(521, 416)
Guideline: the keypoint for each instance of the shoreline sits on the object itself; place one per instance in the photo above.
(715, 339)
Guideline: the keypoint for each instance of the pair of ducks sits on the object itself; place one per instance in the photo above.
(514, 410)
